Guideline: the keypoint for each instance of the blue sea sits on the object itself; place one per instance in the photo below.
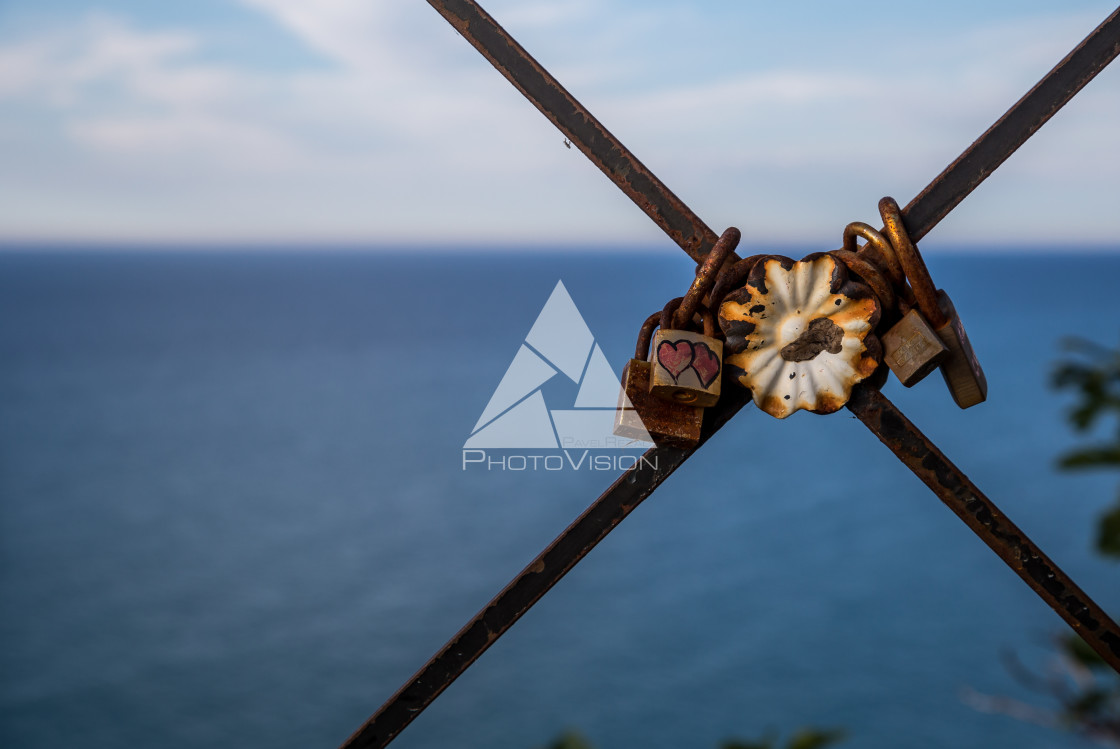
(233, 513)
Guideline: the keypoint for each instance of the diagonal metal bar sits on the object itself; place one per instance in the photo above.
(980, 514)
(579, 126)
(677, 220)
(1012, 129)
(626, 493)
(921, 215)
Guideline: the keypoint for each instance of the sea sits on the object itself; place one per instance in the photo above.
(233, 512)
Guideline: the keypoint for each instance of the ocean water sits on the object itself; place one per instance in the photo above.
(232, 513)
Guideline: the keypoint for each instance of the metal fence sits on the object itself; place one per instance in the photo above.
(881, 416)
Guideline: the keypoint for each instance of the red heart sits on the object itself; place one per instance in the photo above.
(675, 356)
(706, 363)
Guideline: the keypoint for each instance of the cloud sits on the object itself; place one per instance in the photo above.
(60, 65)
(406, 133)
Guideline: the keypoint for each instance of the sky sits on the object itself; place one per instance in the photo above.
(373, 122)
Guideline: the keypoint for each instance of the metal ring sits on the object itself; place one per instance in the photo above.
(870, 274)
(924, 290)
(709, 320)
(667, 313)
(877, 247)
(706, 275)
(645, 335)
(731, 277)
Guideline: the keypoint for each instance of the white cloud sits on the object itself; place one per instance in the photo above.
(351, 33)
(407, 133)
(59, 65)
(546, 14)
(236, 144)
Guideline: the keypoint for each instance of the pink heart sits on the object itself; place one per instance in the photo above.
(675, 356)
(706, 363)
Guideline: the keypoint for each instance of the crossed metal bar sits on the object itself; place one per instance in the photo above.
(881, 416)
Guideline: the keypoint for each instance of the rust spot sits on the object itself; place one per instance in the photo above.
(821, 335)
(772, 404)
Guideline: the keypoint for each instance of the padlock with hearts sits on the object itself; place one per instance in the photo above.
(962, 372)
(642, 416)
(686, 365)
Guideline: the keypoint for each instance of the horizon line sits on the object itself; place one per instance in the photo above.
(382, 246)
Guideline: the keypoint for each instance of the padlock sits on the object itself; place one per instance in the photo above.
(641, 416)
(911, 348)
(961, 370)
(687, 367)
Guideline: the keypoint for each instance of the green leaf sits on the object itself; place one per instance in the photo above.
(812, 738)
(1088, 704)
(1108, 533)
(1092, 457)
(1096, 381)
(570, 740)
(1079, 651)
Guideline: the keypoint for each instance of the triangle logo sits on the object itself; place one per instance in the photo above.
(558, 344)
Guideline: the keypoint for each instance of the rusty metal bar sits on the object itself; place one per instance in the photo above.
(579, 126)
(681, 224)
(1012, 129)
(626, 493)
(980, 514)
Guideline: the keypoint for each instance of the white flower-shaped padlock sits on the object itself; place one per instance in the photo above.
(800, 334)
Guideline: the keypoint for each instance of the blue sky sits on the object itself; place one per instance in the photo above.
(372, 121)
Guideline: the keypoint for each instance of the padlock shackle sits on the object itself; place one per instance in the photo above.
(672, 308)
(667, 313)
(870, 274)
(877, 247)
(645, 335)
(925, 292)
(709, 321)
(730, 278)
(706, 276)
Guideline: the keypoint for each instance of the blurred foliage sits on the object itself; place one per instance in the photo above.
(1091, 705)
(1085, 689)
(805, 738)
(1094, 375)
(570, 740)
(1082, 691)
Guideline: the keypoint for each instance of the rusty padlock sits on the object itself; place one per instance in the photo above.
(961, 370)
(911, 348)
(641, 416)
(687, 367)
